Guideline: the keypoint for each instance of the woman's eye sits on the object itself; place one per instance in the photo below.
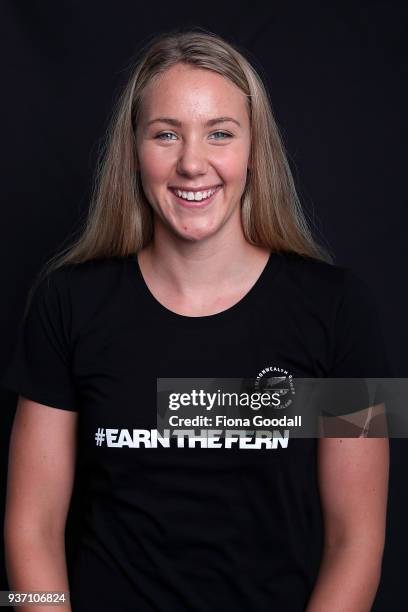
(162, 135)
(224, 134)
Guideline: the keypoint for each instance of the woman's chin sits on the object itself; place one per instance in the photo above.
(194, 232)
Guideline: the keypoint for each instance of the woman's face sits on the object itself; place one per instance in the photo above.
(182, 144)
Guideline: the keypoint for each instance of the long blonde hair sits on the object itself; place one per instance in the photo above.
(120, 219)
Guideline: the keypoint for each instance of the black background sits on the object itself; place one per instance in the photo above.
(337, 76)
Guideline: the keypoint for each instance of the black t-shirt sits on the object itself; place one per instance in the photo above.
(188, 529)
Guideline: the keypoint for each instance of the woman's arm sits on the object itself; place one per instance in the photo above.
(353, 481)
(40, 481)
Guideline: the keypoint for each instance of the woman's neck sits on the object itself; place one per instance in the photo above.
(196, 278)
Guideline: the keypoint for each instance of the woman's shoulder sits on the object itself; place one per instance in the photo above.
(308, 269)
(86, 287)
(323, 280)
(89, 274)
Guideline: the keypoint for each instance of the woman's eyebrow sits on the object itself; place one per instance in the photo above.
(177, 123)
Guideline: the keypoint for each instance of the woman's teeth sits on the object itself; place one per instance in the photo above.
(194, 195)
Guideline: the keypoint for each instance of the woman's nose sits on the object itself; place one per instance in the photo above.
(192, 158)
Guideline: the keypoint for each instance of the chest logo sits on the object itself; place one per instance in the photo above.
(276, 380)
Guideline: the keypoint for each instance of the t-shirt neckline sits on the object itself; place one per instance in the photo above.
(268, 272)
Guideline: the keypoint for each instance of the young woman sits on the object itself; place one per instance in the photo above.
(196, 262)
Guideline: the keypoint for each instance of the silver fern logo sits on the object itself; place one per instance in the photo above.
(277, 381)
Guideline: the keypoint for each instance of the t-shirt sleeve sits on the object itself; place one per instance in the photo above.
(40, 366)
(358, 340)
(358, 351)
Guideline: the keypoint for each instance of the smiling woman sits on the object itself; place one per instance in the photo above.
(193, 161)
(196, 261)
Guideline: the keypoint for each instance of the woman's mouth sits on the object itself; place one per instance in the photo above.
(192, 203)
